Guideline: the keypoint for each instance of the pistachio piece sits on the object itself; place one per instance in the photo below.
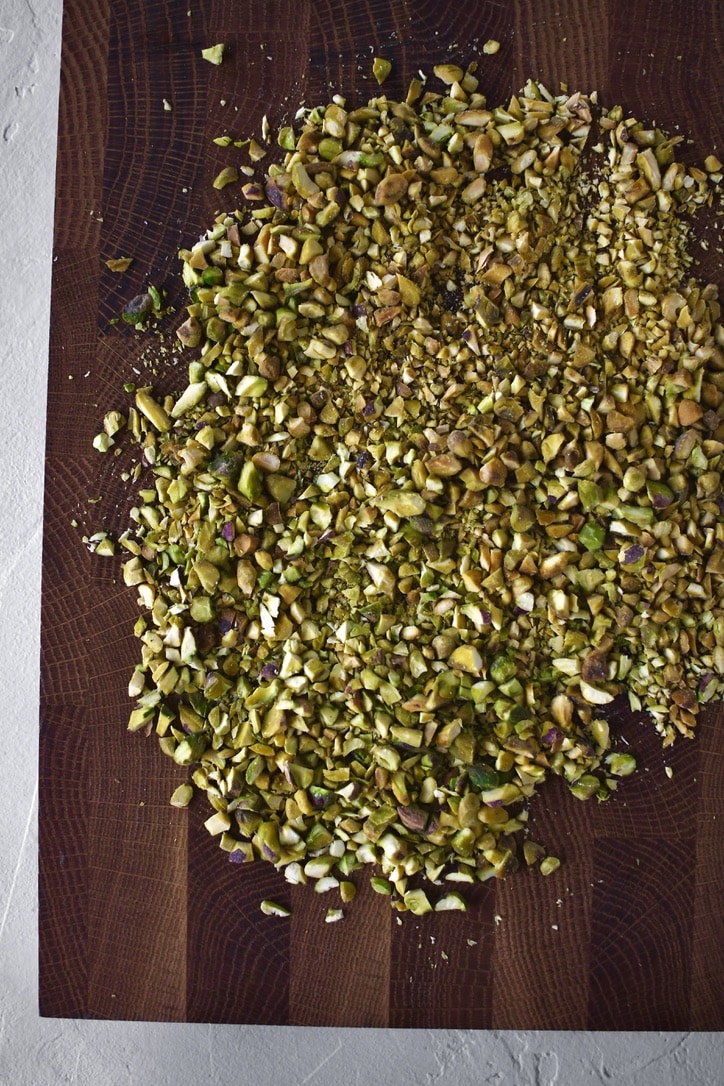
(549, 865)
(152, 410)
(448, 73)
(391, 189)
(182, 796)
(138, 309)
(466, 658)
(102, 442)
(452, 902)
(213, 53)
(404, 503)
(225, 177)
(381, 68)
(119, 263)
(621, 765)
(417, 902)
(271, 908)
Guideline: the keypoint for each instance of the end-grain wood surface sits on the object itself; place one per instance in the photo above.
(141, 917)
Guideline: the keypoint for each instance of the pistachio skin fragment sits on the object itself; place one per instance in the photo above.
(440, 483)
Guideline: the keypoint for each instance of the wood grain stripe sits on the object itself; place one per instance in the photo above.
(565, 44)
(641, 934)
(340, 972)
(443, 966)
(62, 873)
(707, 976)
(81, 124)
(136, 896)
(543, 930)
(238, 959)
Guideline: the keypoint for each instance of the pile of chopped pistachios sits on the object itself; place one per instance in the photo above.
(445, 479)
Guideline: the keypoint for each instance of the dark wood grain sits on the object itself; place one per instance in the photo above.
(141, 916)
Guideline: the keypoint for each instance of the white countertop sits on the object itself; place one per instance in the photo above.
(44, 1052)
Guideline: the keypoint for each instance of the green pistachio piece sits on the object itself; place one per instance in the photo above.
(592, 535)
(621, 765)
(381, 68)
(213, 53)
(182, 796)
(417, 902)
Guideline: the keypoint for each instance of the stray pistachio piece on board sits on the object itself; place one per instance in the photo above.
(381, 68)
(182, 796)
(213, 53)
(119, 263)
(271, 908)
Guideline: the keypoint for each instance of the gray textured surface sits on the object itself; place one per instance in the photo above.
(45, 1052)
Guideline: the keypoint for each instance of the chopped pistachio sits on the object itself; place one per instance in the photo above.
(138, 309)
(467, 658)
(113, 421)
(440, 481)
(549, 865)
(102, 442)
(533, 852)
(347, 891)
(621, 765)
(448, 73)
(391, 189)
(182, 796)
(417, 902)
(450, 902)
(213, 53)
(271, 908)
(152, 410)
(381, 68)
(105, 547)
(119, 263)
(227, 176)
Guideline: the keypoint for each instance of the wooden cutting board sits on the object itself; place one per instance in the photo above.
(141, 917)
